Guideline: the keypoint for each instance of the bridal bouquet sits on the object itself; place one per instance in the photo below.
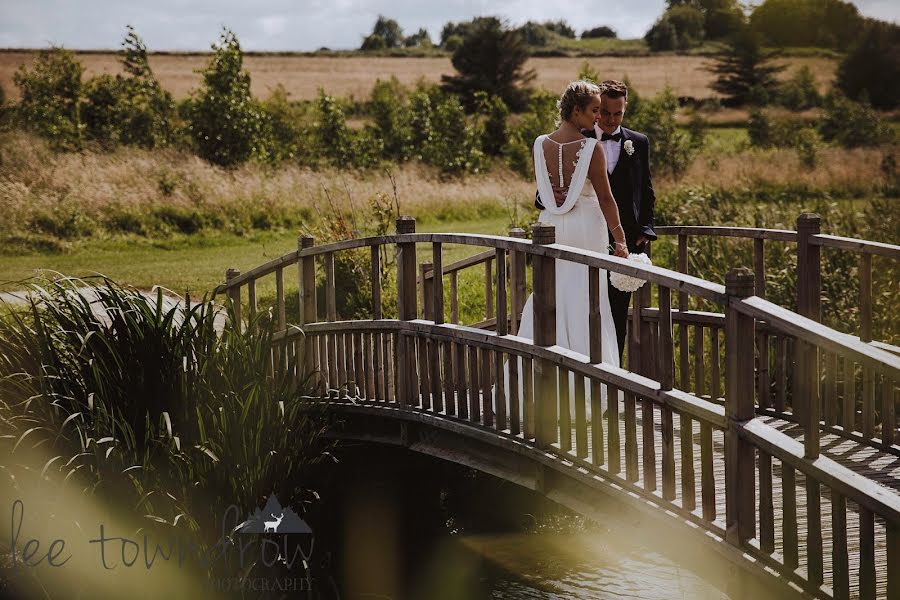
(627, 283)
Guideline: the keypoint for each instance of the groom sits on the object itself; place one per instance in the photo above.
(628, 166)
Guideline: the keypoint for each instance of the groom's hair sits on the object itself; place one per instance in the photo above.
(613, 89)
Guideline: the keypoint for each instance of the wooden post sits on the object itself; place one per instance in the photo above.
(502, 329)
(516, 282)
(544, 335)
(234, 294)
(406, 311)
(809, 304)
(425, 269)
(740, 517)
(437, 284)
(307, 274)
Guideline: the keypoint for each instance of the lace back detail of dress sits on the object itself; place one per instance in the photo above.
(562, 160)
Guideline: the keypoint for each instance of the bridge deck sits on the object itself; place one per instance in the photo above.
(870, 462)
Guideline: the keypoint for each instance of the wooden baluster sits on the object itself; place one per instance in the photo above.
(866, 553)
(449, 378)
(699, 374)
(766, 506)
(487, 404)
(515, 418)
(454, 298)
(437, 315)
(528, 416)
(346, 345)
(649, 445)
(502, 329)
(762, 338)
(437, 389)
(323, 362)
(848, 413)
(780, 374)
(595, 336)
(279, 299)
(369, 345)
(707, 473)
(234, 295)
(427, 290)
(424, 363)
(868, 402)
(377, 345)
(829, 397)
(686, 426)
(565, 414)
(392, 359)
(865, 297)
(461, 383)
(251, 302)
(893, 560)
(335, 361)
(840, 564)
(631, 446)
(740, 484)
(688, 475)
(359, 373)
(516, 282)
(715, 375)
(307, 292)
(474, 386)
(407, 310)
(789, 517)
(683, 306)
(888, 411)
(544, 278)
(488, 290)
(666, 370)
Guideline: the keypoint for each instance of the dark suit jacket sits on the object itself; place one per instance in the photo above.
(632, 187)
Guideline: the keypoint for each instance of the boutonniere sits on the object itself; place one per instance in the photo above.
(629, 147)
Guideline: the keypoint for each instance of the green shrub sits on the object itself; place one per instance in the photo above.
(392, 127)
(51, 97)
(456, 148)
(599, 32)
(679, 28)
(131, 109)
(671, 149)
(872, 66)
(800, 92)
(541, 117)
(495, 133)
(852, 124)
(759, 129)
(807, 142)
(226, 122)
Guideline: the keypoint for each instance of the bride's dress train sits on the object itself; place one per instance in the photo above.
(580, 223)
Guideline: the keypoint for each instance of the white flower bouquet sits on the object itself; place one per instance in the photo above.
(627, 283)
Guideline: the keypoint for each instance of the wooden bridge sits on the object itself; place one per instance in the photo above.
(747, 427)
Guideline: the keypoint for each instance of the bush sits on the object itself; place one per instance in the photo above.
(560, 27)
(386, 108)
(131, 109)
(227, 124)
(872, 67)
(822, 23)
(800, 92)
(536, 34)
(332, 135)
(759, 129)
(495, 133)
(373, 42)
(456, 148)
(540, 118)
(51, 97)
(807, 142)
(419, 39)
(852, 124)
(599, 32)
(671, 150)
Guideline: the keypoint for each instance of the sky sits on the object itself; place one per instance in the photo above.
(302, 25)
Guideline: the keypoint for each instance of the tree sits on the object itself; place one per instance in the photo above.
(492, 59)
(389, 30)
(560, 27)
(824, 23)
(51, 97)
(599, 32)
(225, 121)
(744, 73)
(373, 41)
(800, 92)
(419, 39)
(536, 34)
(679, 28)
(872, 66)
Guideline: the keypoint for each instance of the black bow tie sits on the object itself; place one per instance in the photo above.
(616, 137)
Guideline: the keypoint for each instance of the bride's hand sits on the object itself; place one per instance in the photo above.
(621, 249)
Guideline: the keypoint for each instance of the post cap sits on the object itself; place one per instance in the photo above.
(306, 241)
(406, 224)
(231, 274)
(543, 234)
(810, 222)
(517, 232)
(740, 282)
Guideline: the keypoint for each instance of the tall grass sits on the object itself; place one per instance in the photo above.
(143, 404)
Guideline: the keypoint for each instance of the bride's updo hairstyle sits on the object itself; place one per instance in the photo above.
(578, 93)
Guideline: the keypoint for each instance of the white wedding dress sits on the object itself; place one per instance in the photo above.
(579, 223)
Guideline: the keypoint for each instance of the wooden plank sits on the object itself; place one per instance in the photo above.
(865, 297)
(487, 409)
(359, 373)
(829, 397)
(565, 415)
(893, 560)
(782, 235)
(780, 373)
(688, 477)
(597, 443)
(437, 286)
(814, 533)
(279, 299)
(454, 298)
(699, 371)
(375, 280)
(631, 445)
(437, 388)
(848, 414)
(474, 385)
(544, 303)
(581, 425)
(707, 475)
(449, 380)
(648, 452)
(888, 411)
(766, 507)
(867, 581)
(790, 542)
(868, 403)
(668, 454)
(489, 288)
(462, 384)
(515, 418)
(861, 246)
(528, 414)
(666, 368)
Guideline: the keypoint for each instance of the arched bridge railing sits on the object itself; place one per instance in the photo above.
(721, 467)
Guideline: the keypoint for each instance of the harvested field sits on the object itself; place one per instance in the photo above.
(302, 76)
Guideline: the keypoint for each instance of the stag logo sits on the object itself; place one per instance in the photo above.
(285, 520)
(273, 525)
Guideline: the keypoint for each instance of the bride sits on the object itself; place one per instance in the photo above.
(567, 160)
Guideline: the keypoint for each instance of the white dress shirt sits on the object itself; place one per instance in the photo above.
(611, 149)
